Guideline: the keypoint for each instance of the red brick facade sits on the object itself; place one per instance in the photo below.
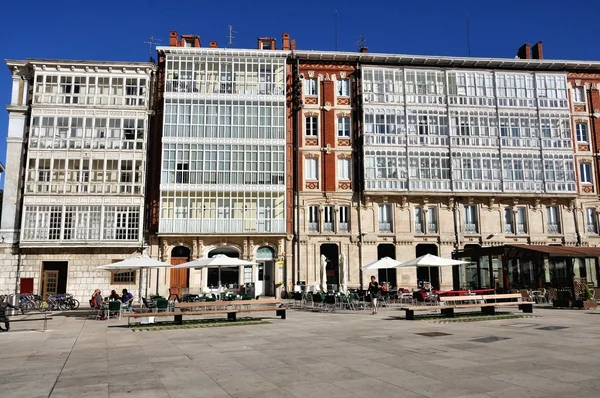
(585, 110)
(327, 106)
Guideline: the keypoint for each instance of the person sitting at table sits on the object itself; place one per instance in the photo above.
(98, 303)
(126, 297)
(114, 295)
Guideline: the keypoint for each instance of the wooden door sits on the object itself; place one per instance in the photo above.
(50, 283)
(179, 277)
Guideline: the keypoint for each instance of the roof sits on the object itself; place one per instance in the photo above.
(224, 51)
(114, 64)
(449, 62)
(550, 251)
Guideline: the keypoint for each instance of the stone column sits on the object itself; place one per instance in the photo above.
(17, 125)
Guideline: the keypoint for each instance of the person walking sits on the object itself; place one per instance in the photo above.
(374, 293)
(3, 318)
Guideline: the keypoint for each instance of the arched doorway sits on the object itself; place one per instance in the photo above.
(386, 275)
(180, 278)
(423, 273)
(331, 252)
(265, 284)
(229, 275)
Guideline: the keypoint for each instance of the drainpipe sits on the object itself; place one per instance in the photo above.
(16, 296)
(576, 220)
(358, 167)
(296, 106)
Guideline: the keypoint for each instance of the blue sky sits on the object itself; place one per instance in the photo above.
(116, 30)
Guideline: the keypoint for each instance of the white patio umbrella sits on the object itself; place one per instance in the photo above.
(218, 261)
(324, 273)
(135, 264)
(344, 271)
(383, 263)
(429, 260)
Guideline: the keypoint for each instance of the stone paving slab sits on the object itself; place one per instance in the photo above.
(555, 354)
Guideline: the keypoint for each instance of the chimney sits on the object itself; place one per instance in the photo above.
(173, 38)
(266, 43)
(537, 51)
(363, 50)
(293, 44)
(524, 51)
(285, 41)
(212, 44)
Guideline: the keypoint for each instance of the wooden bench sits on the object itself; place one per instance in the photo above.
(224, 304)
(231, 312)
(487, 303)
(446, 306)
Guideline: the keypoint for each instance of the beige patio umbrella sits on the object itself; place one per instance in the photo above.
(135, 264)
(324, 273)
(344, 271)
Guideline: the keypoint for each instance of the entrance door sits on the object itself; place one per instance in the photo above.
(180, 278)
(386, 275)
(265, 284)
(50, 283)
(54, 278)
(331, 252)
(428, 274)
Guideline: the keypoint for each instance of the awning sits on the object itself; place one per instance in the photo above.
(550, 251)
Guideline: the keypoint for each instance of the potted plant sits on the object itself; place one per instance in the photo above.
(588, 302)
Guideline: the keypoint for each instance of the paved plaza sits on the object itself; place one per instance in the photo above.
(555, 354)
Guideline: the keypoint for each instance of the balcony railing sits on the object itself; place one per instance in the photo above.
(344, 227)
(554, 228)
(508, 229)
(313, 227)
(385, 227)
(432, 228)
(521, 230)
(592, 229)
(221, 226)
(471, 228)
(328, 227)
(419, 228)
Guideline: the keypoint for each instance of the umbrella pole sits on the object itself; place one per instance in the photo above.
(219, 287)
(430, 283)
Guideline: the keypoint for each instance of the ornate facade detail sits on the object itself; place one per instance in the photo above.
(312, 185)
(491, 203)
(311, 73)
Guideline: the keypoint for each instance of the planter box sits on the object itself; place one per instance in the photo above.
(590, 305)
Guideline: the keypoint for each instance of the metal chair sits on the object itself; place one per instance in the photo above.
(162, 305)
(114, 307)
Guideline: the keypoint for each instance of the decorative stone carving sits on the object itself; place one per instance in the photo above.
(450, 204)
(491, 203)
(403, 202)
(343, 75)
(536, 204)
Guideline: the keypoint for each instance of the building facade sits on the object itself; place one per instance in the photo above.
(76, 168)
(223, 186)
(281, 157)
(454, 154)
